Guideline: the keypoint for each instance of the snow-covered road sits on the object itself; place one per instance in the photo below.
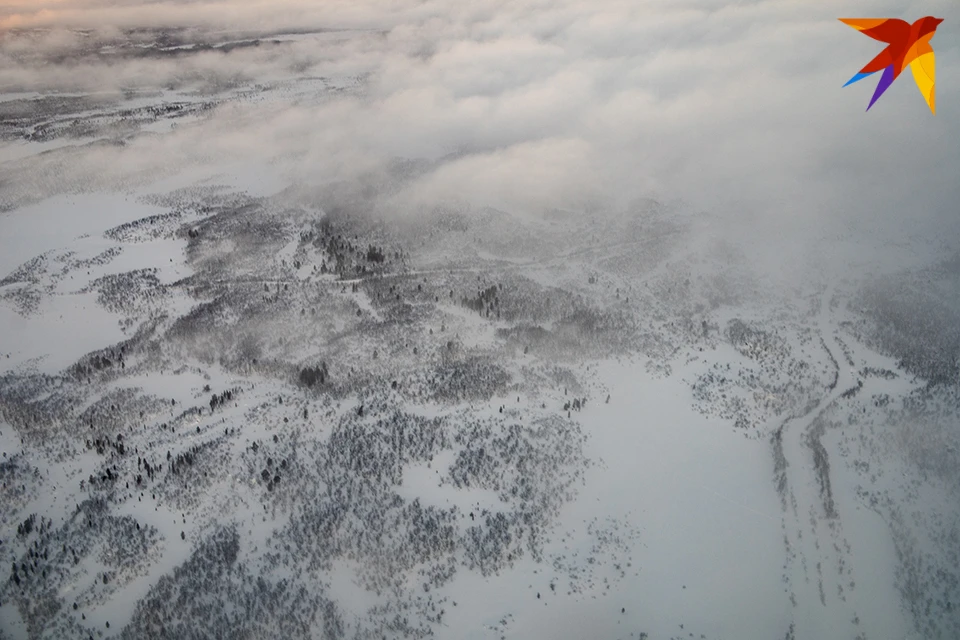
(831, 545)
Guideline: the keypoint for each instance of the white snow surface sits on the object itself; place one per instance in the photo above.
(698, 508)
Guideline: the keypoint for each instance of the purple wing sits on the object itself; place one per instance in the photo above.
(885, 81)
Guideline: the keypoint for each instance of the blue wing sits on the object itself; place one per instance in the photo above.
(859, 77)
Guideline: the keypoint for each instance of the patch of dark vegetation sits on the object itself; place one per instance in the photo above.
(872, 372)
(754, 342)
(52, 557)
(928, 584)
(833, 361)
(23, 112)
(236, 237)
(400, 301)
(351, 506)
(821, 464)
(486, 302)
(110, 363)
(473, 378)
(284, 468)
(360, 516)
(189, 473)
(926, 432)
(522, 300)
(202, 319)
(215, 594)
(26, 299)
(197, 201)
(852, 391)
(534, 468)
(26, 286)
(527, 336)
(30, 272)
(777, 381)
(187, 50)
(19, 483)
(577, 332)
(916, 325)
(336, 237)
(37, 406)
(375, 254)
(122, 292)
(315, 375)
(112, 413)
(780, 466)
(220, 399)
(601, 332)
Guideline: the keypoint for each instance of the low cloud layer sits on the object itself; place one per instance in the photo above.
(736, 109)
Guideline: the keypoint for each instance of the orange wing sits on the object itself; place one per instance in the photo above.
(888, 30)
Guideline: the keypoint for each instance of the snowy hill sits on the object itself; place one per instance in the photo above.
(259, 395)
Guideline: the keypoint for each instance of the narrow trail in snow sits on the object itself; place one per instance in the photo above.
(818, 571)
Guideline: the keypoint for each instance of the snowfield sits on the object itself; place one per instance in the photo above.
(236, 402)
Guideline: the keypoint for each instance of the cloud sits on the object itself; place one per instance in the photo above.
(735, 108)
(249, 15)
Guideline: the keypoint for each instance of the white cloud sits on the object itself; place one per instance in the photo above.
(735, 107)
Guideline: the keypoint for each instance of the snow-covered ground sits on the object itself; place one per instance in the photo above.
(237, 401)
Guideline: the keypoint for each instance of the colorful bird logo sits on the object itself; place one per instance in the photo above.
(907, 44)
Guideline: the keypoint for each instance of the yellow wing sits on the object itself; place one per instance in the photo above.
(924, 70)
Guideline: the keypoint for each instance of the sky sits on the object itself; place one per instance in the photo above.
(736, 109)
